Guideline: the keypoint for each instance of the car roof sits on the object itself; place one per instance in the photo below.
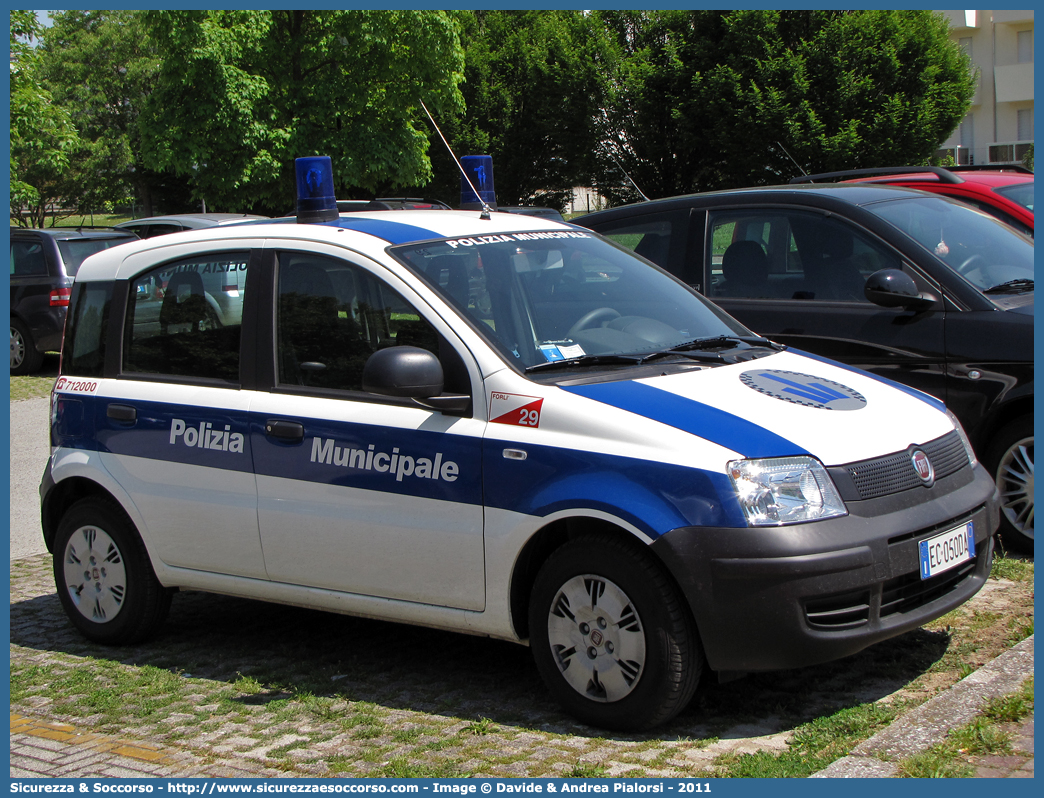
(78, 232)
(199, 219)
(368, 232)
(824, 194)
(984, 178)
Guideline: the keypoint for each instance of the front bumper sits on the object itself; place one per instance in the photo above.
(786, 597)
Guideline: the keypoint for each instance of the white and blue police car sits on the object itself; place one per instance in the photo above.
(498, 425)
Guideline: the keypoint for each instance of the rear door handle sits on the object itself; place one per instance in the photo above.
(287, 430)
(121, 412)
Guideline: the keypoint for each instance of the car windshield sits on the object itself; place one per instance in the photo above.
(1021, 193)
(986, 252)
(541, 297)
(76, 250)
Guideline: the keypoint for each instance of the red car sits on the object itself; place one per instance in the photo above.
(1002, 191)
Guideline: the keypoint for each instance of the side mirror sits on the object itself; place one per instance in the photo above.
(410, 372)
(894, 288)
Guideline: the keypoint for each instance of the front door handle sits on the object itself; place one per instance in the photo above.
(286, 430)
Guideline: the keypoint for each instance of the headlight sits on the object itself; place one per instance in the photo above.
(784, 490)
(964, 437)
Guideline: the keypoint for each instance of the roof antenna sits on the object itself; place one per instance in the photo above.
(610, 154)
(485, 208)
(791, 157)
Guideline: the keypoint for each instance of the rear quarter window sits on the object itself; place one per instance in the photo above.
(84, 348)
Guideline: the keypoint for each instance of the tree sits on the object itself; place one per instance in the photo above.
(41, 132)
(534, 84)
(711, 99)
(102, 66)
(241, 94)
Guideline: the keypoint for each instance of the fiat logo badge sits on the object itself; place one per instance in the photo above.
(923, 466)
(596, 637)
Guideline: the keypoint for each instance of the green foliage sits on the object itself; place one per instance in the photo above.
(240, 94)
(534, 85)
(711, 99)
(1027, 159)
(101, 66)
(1016, 569)
(42, 134)
(814, 745)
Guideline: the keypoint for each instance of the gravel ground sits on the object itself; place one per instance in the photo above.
(298, 692)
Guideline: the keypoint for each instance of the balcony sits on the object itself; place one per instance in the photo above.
(1012, 17)
(1014, 83)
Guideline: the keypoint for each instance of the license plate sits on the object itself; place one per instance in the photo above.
(947, 550)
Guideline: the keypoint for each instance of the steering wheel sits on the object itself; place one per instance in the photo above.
(969, 263)
(589, 318)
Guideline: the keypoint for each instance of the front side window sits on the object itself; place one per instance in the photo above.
(774, 254)
(332, 315)
(539, 297)
(184, 318)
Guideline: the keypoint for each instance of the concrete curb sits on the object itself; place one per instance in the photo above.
(929, 723)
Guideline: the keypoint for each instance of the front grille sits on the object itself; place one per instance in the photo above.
(893, 473)
(846, 611)
(874, 602)
(909, 592)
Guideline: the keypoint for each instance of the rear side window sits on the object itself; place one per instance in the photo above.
(83, 353)
(184, 318)
(76, 250)
(27, 259)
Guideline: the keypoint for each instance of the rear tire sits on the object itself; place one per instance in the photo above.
(104, 577)
(1010, 460)
(24, 357)
(612, 636)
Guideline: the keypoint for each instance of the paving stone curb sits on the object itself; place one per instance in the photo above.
(928, 724)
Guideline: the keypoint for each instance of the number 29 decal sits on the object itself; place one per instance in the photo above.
(515, 409)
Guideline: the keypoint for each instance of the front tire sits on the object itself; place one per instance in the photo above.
(1010, 460)
(611, 635)
(103, 575)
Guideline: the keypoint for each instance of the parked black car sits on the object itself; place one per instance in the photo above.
(911, 286)
(43, 265)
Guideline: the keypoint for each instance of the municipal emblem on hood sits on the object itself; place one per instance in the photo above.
(923, 466)
(804, 389)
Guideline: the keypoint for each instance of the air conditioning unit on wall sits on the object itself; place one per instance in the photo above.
(1013, 152)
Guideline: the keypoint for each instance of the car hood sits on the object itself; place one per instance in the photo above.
(784, 404)
(1016, 303)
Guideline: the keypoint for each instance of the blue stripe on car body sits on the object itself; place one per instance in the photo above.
(392, 232)
(696, 418)
(654, 497)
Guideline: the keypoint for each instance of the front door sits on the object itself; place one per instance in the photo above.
(359, 493)
(797, 277)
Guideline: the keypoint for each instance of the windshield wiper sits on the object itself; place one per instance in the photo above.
(722, 341)
(586, 360)
(1018, 286)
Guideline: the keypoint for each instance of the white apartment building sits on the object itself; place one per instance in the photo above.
(999, 124)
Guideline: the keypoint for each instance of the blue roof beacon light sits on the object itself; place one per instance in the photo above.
(315, 191)
(480, 169)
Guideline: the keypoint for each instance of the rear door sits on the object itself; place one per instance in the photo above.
(176, 437)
